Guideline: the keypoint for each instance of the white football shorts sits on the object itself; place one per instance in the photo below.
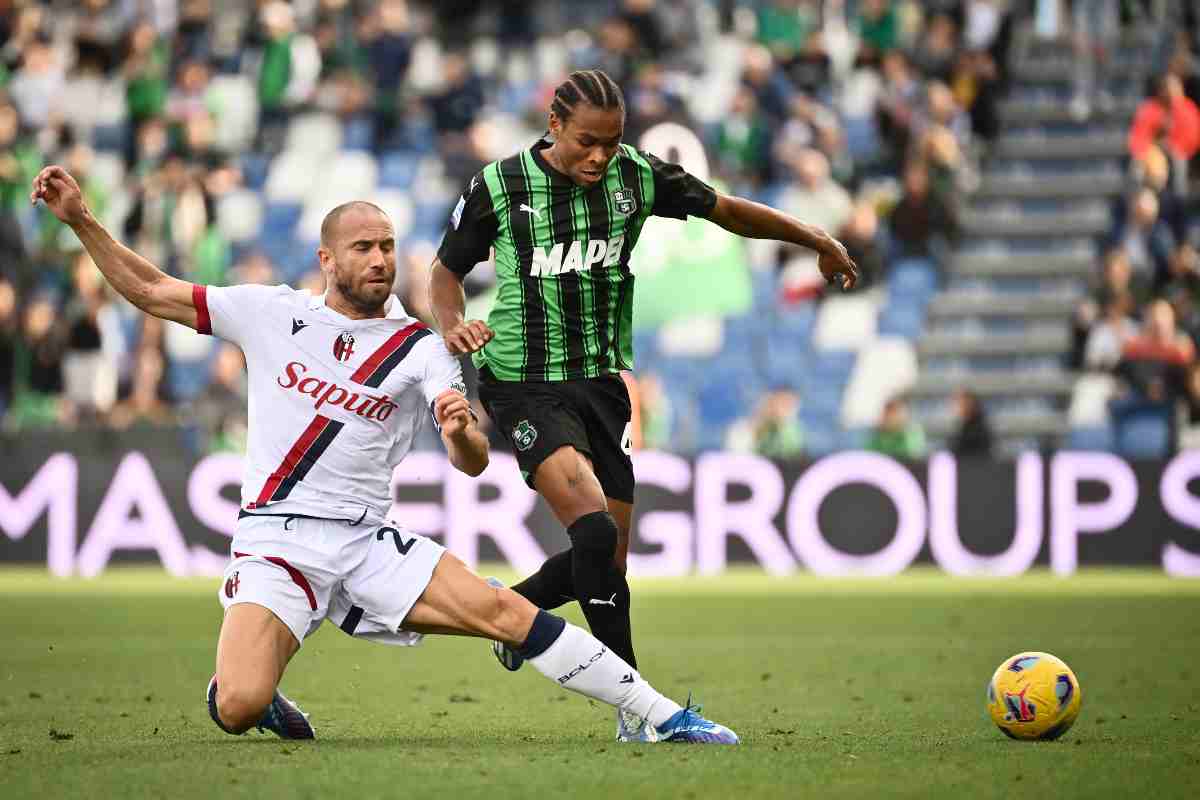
(363, 577)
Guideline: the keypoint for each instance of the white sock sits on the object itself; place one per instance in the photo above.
(579, 662)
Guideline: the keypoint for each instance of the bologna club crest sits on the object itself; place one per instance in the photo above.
(343, 346)
(231, 586)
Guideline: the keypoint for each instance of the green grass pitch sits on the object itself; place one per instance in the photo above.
(838, 688)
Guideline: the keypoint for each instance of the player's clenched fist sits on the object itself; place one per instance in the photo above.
(58, 190)
(468, 336)
(453, 412)
(836, 261)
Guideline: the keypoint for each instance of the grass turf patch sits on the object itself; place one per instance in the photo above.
(839, 688)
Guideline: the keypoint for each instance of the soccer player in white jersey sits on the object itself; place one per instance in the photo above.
(339, 385)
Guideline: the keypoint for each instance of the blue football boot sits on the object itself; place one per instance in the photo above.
(282, 717)
(686, 725)
(507, 657)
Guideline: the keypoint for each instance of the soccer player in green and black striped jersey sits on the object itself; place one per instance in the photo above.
(562, 219)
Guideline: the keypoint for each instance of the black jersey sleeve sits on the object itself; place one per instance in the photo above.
(677, 192)
(471, 231)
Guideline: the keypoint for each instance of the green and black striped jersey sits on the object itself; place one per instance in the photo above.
(564, 308)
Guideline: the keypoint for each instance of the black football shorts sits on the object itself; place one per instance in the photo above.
(592, 415)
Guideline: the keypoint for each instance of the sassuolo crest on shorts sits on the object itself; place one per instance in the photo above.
(524, 435)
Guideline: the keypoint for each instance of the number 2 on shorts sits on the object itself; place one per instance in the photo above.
(402, 547)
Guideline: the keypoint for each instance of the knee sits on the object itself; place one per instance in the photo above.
(594, 537)
(240, 706)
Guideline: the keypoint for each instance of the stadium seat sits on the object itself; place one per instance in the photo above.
(398, 170)
(315, 134)
(797, 320)
(913, 276)
(785, 367)
(108, 169)
(279, 220)
(1089, 400)
(358, 134)
(744, 334)
(1142, 431)
(820, 439)
(236, 101)
(186, 380)
(1093, 438)
(399, 207)
(902, 319)
(822, 401)
(765, 290)
(884, 369)
(845, 323)
(862, 137)
(254, 168)
(291, 177)
(239, 215)
(853, 438)
(351, 172)
(832, 366)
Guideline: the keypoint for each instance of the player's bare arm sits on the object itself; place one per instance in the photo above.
(757, 221)
(465, 443)
(138, 281)
(448, 303)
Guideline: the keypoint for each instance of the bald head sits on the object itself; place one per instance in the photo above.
(330, 226)
(358, 257)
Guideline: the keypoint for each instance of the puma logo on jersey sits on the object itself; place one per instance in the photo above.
(612, 601)
(537, 212)
(579, 257)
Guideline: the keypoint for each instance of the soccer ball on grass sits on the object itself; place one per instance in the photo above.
(1034, 696)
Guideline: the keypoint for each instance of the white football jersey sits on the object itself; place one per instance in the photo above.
(334, 402)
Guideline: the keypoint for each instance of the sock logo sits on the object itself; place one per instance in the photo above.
(627, 679)
(562, 679)
(612, 601)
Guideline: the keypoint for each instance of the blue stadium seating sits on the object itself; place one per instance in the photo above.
(279, 219)
(833, 367)
(900, 319)
(255, 167)
(398, 170)
(819, 440)
(1099, 438)
(913, 276)
(186, 379)
(358, 134)
(1142, 432)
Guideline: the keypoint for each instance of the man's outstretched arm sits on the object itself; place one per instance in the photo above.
(138, 281)
(757, 221)
(448, 303)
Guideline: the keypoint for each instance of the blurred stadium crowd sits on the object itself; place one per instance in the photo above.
(213, 135)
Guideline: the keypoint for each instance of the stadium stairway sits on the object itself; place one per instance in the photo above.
(1000, 323)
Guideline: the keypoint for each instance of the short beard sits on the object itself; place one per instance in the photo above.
(357, 301)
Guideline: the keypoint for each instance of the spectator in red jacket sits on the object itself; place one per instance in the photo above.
(1168, 115)
(1154, 363)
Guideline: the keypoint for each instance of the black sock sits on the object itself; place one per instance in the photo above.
(552, 585)
(600, 587)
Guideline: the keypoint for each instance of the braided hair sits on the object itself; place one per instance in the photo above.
(592, 86)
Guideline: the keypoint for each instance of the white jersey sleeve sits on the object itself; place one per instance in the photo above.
(442, 372)
(231, 312)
